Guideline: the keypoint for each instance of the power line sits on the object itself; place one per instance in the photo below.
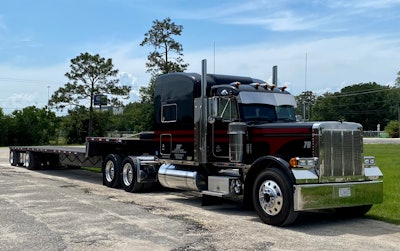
(348, 94)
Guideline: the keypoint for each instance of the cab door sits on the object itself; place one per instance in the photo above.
(227, 111)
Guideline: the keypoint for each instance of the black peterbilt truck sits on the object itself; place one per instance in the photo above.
(236, 138)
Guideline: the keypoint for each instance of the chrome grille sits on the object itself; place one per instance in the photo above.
(340, 154)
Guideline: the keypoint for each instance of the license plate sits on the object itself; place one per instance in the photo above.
(344, 192)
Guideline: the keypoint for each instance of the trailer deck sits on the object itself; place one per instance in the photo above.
(71, 156)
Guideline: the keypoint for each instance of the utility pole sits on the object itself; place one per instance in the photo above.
(48, 96)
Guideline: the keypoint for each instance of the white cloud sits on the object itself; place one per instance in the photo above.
(129, 80)
(330, 62)
(21, 87)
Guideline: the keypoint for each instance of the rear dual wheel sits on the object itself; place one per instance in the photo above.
(111, 170)
(33, 161)
(14, 158)
(129, 176)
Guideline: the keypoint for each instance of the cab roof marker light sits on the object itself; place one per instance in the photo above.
(235, 84)
(266, 86)
(283, 88)
(255, 85)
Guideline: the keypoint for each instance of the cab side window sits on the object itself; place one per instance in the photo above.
(227, 109)
(169, 113)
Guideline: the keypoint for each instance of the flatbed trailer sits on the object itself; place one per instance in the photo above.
(90, 155)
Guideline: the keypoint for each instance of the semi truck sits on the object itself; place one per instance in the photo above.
(235, 138)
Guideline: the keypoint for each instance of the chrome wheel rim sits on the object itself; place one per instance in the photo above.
(127, 174)
(109, 171)
(270, 197)
(27, 159)
(11, 157)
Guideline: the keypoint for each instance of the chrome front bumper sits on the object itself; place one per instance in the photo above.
(335, 195)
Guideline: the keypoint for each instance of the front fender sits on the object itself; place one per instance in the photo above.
(270, 162)
(259, 165)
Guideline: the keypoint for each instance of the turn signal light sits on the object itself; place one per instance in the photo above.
(303, 162)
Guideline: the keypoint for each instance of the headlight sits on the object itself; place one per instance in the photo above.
(369, 160)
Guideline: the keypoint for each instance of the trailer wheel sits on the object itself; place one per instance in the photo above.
(129, 176)
(111, 170)
(273, 198)
(32, 161)
(14, 158)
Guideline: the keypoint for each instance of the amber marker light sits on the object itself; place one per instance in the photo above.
(293, 162)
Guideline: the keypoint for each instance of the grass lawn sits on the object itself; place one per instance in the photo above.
(387, 157)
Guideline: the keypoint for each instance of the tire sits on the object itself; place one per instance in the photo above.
(14, 158)
(129, 176)
(353, 212)
(32, 161)
(111, 170)
(273, 198)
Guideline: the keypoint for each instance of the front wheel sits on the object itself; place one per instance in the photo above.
(273, 198)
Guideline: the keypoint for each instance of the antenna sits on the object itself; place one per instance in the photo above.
(305, 75)
(214, 57)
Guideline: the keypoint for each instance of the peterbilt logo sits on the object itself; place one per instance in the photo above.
(307, 145)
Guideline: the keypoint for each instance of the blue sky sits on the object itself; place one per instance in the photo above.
(345, 42)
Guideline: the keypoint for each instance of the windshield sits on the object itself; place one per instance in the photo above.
(267, 113)
(285, 113)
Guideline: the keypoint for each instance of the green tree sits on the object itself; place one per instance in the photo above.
(75, 124)
(165, 58)
(90, 75)
(305, 102)
(392, 129)
(33, 126)
(135, 118)
(325, 108)
(160, 36)
(397, 83)
(366, 103)
(4, 127)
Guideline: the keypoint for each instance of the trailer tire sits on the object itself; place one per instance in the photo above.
(32, 161)
(111, 170)
(129, 176)
(273, 198)
(14, 158)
